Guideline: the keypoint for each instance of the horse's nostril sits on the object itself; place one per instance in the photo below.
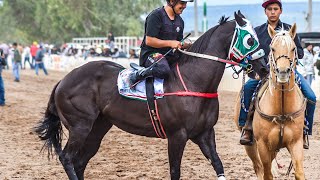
(288, 70)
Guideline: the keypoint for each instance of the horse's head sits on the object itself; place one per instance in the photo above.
(282, 57)
(245, 45)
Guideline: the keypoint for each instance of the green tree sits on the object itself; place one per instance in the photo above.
(59, 21)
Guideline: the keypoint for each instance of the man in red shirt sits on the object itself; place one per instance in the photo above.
(33, 50)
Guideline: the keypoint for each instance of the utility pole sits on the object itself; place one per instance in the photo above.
(205, 20)
(196, 31)
(309, 16)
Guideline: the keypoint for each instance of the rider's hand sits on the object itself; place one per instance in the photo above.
(186, 45)
(176, 44)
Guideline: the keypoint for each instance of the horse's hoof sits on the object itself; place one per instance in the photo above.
(221, 178)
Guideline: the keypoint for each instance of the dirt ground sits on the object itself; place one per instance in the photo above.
(121, 155)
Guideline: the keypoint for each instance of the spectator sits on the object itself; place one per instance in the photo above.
(16, 62)
(39, 60)
(308, 64)
(33, 51)
(132, 54)
(115, 54)
(27, 54)
(111, 40)
(6, 50)
(106, 52)
(2, 64)
(316, 59)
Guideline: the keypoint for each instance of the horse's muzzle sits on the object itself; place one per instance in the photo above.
(283, 76)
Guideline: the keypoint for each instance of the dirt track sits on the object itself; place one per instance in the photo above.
(121, 155)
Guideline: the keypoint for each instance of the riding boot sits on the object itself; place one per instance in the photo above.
(305, 141)
(246, 137)
(139, 75)
(247, 131)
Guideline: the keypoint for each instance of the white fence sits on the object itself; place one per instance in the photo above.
(67, 63)
(124, 43)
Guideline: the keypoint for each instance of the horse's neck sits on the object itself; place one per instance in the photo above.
(283, 98)
(202, 75)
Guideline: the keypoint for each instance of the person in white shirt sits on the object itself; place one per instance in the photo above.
(308, 63)
(27, 57)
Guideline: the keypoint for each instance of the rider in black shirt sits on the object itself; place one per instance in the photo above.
(163, 31)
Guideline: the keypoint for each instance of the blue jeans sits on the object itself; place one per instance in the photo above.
(251, 85)
(2, 100)
(248, 91)
(27, 59)
(16, 70)
(311, 104)
(309, 78)
(6, 59)
(40, 65)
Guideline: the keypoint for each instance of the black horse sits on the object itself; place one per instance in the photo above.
(87, 103)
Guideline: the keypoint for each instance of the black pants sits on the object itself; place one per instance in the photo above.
(161, 69)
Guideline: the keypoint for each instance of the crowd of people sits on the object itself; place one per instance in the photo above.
(17, 57)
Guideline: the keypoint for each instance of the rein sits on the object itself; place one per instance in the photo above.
(214, 58)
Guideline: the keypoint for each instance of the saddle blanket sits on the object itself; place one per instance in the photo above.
(139, 91)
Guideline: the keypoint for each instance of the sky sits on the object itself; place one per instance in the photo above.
(233, 2)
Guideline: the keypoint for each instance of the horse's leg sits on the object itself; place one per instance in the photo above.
(207, 144)
(252, 152)
(176, 143)
(296, 152)
(82, 125)
(266, 159)
(75, 141)
(91, 146)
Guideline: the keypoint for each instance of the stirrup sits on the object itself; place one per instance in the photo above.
(246, 142)
(136, 66)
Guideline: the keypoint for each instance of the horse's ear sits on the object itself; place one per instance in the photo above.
(239, 19)
(271, 32)
(293, 31)
(240, 14)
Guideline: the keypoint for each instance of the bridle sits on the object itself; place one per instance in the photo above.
(275, 70)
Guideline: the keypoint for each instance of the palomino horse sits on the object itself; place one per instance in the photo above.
(279, 116)
(86, 101)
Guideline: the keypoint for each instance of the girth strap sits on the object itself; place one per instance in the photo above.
(153, 109)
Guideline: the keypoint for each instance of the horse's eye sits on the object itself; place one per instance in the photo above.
(248, 41)
(293, 49)
(272, 49)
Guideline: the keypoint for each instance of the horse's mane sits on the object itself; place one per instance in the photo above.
(283, 37)
(203, 41)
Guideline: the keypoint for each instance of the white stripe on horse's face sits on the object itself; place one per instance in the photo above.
(282, 56)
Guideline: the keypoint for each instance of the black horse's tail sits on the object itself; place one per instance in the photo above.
(49, 129)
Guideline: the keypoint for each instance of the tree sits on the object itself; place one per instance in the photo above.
(58, 21)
